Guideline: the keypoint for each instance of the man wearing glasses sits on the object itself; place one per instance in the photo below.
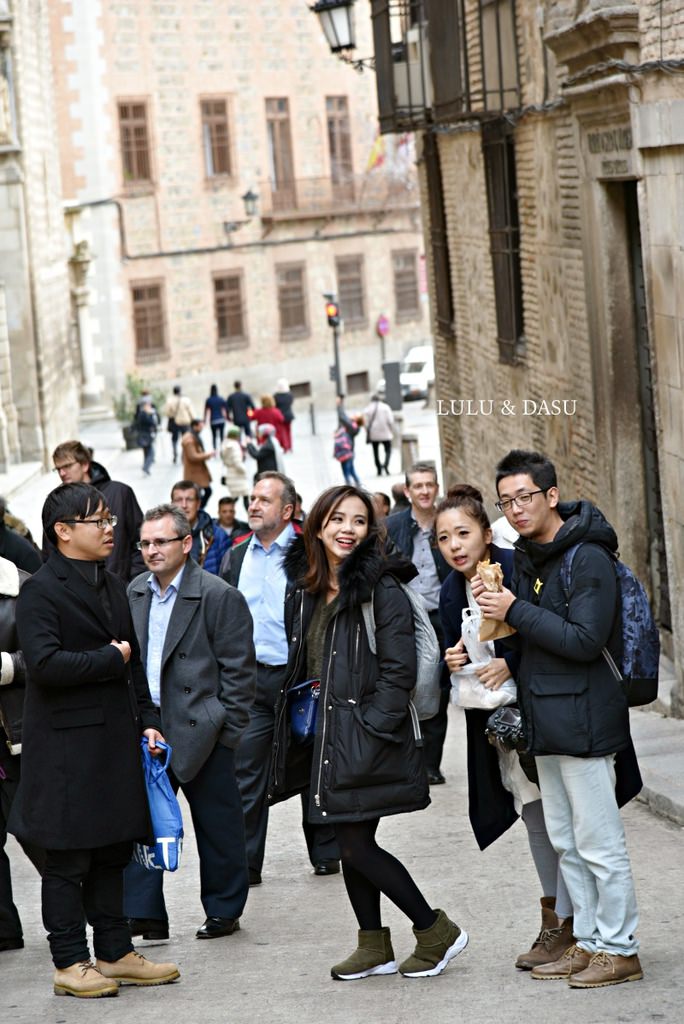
(82, 795)
(195, 635)
(74, 464)
(574, 711)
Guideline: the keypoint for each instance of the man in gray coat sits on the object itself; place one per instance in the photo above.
(195, 636)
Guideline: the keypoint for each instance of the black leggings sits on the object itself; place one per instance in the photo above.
(369, 870)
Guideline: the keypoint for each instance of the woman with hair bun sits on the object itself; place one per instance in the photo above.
(498, 788)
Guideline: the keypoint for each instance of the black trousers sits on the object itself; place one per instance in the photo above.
(253, 765)
(387, 446)
(80, 886)
(10, 925)
(216, 810)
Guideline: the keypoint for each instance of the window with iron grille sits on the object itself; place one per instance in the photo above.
(292, 300)
(215, 137)
(350, 290)
(135, 142)
(229, 310)
(439, 244)
(406, 298)
(498, 147)
(443, 60)
(148, 319)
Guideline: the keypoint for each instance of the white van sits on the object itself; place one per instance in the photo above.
(417, 373)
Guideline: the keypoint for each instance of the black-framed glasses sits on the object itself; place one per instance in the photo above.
(158, 542)
(65, 465)
(520, 500)
(101, 524)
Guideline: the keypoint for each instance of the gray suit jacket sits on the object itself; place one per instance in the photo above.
(208, 674)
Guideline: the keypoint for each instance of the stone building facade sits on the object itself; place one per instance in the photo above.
(39, 366)
(552, 172)
(170, 113)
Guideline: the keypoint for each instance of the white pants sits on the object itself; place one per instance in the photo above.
(585, 828)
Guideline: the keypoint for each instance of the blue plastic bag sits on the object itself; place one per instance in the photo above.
(165, 812)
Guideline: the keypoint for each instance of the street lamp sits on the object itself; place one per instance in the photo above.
(337, 22)
(250, 199)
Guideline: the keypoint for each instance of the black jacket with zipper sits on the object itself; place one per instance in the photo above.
(366, 761)
(571, 702)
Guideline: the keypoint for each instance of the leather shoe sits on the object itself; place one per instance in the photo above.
(7, 944)
(435, 777)
(254, 876)
(215, 927)
(327, 867)
(149, 929)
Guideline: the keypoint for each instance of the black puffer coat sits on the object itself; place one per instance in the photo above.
(571, 702)
(367, 759)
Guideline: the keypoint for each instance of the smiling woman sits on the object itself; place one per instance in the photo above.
(366, 759)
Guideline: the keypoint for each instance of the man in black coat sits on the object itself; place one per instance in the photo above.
(74, 464)
(412, 533)
(82, 793)
(239, 405)
(574, 709)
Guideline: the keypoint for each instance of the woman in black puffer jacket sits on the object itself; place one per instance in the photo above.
(366, 759)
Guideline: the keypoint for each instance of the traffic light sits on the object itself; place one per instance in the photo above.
(332, 311)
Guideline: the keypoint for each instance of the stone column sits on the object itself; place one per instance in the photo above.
(79, 264)
(9, 435)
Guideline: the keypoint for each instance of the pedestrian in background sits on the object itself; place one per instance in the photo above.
(240, 408)
(343, 451)
(195, 460)
(379, 420)
(146, 423)
(209, 541)
(179, 410)
(255, 566)
(75, 464)
(269, 454)
(284, 400)
(268, 413)
(366, 759)
(412, 532)
(215, 415)
(235, 477)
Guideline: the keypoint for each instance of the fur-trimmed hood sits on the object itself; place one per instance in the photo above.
(359, 572)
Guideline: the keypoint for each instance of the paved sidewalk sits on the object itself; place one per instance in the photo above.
(276, 969)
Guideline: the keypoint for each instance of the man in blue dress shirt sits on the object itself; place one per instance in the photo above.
(254, 566)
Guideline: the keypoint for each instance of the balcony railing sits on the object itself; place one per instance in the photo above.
(323, 197)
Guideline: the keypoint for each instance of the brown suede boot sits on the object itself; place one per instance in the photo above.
(549, 921)
(549, 946)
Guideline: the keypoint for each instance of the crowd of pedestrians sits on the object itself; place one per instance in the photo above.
(175, 627)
